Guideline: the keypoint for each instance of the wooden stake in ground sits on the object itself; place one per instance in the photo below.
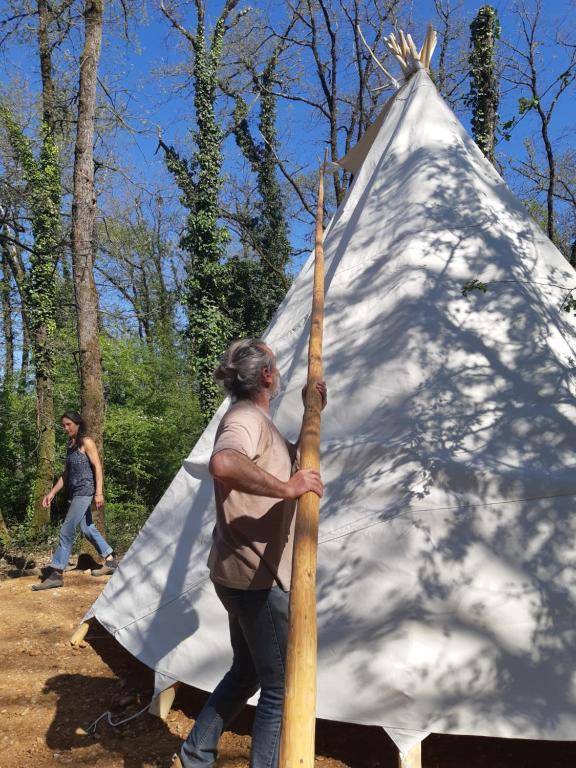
(299, 719)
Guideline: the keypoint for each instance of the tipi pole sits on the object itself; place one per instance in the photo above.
(413, 759)
(299, 717)
(161, 705)
(78, 637)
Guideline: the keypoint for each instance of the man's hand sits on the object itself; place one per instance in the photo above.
(321, 388)
(303, 481)
(99, 499)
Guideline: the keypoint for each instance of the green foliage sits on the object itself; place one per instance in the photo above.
(152, 422)
(474, 285)
(569, 303)
(525, 105)
(152, 419)
(210, 327)
(17, 446)
(227, 298)
(266, 233)
(123, 521)
(43, 194)
(484, 95)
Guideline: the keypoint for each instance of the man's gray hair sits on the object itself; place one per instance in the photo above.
(241, 367)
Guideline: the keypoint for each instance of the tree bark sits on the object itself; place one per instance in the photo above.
(8, 328)
(14, 261)
(45, 52)
(41, 335)
(25, 360)
(550, 213)
(4, 535)
(45, 459)
(83, 219)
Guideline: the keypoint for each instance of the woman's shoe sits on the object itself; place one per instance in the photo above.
(52, 581)
(108, 567)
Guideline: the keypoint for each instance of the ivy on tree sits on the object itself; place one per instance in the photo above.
(484, 95)
(266, 233)
(43, 193)
(207, 288)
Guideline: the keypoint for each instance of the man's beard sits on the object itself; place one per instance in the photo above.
(276, 391)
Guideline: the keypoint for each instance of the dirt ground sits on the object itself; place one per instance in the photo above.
(49, 691)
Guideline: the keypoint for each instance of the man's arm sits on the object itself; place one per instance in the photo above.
(238, 473)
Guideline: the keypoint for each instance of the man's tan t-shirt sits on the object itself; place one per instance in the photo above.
(254, 535)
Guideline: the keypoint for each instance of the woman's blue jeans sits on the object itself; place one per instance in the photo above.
(258, 620)
(79, 514)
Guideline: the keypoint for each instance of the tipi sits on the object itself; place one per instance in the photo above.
(446, 567)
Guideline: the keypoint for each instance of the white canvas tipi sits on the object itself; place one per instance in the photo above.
(446, 563)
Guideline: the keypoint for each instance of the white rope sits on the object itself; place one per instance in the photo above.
(91, 730)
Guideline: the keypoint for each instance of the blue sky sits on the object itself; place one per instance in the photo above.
(132, 69)
(155, 102)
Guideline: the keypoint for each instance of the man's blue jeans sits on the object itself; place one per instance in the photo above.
(258, 620)
(79, 514)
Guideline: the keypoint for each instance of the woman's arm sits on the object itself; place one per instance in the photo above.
(92, 453)
(47, 500)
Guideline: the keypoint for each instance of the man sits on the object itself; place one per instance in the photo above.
(251, 557)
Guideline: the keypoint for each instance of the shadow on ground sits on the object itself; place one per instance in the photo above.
(357, 746)
(81, 699)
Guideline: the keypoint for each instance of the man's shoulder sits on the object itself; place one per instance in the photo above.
(243, 409)
(244, 414)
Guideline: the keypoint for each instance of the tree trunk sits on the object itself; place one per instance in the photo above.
(14, 260)
(550, 214)
(8, 328)
(83, 218)
(484, 95)
(4, 535)
(25, 360)
(45, 52)
(44, 476)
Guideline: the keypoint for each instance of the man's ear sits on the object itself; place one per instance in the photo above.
(267, 377)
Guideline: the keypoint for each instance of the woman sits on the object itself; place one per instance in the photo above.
(83, 478)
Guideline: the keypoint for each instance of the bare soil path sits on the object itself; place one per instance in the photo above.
(49, 690)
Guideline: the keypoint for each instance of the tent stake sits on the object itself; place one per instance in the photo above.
(299, 718)
(413, 758)
(161, 705)
(78, 637)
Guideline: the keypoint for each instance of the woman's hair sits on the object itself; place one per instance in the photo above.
(241, 367)
(82, 427)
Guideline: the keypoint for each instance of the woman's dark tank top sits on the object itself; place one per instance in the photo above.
(80, 475)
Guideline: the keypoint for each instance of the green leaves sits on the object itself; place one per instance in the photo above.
(208, 283)
(525, 105)
(484, 95)
(152, 418)
(569, 303)
(474, 285)
(43, 195)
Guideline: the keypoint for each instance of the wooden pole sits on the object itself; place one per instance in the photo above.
(162, 704)
(413, 759)
(77, 639)
(299, 717)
